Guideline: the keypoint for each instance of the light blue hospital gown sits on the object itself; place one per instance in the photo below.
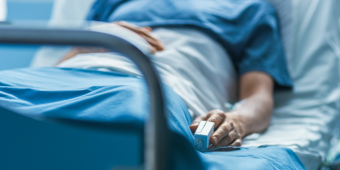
(247, 29)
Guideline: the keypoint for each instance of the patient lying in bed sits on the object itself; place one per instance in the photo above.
(207, 63)
(206, 57)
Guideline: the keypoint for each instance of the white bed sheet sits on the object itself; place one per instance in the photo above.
(304, 119)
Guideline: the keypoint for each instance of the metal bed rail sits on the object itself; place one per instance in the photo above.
(156, 129)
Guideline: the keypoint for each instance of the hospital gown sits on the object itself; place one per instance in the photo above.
(247, 29)
(204, 83)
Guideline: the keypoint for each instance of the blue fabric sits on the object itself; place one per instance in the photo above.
(118, 98)
(270, 157)
(86, 95)
(248, 29)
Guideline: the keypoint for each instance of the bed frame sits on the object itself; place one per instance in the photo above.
(14, 126)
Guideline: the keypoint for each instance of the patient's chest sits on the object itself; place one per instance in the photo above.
(185, 10)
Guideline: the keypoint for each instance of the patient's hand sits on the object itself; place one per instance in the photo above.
(228, 128)
(144, 32)
(81, 50)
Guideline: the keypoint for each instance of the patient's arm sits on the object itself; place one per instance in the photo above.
(80, 50)
(253, 116)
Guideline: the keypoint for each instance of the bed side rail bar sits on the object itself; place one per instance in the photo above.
(156, 128)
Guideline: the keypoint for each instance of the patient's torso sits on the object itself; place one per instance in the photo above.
(197, 68)
(193, 64)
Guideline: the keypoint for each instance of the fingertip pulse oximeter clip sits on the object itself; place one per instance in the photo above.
(202, 135)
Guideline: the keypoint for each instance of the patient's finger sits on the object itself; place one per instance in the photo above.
(237, 142)
(153, 50)
(227, 140)
(157, 44)
(195, 123)
(81, 50)
(202, 118)
(138, 30)
(217, 116)
(150, 36)
(153, 42)
(125, 24)
(198, 120)
(148, 28)
(145, 33)
(221, 132)
(134, 28)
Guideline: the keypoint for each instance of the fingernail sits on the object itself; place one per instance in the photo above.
(215, 140)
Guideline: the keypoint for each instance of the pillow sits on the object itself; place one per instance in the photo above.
(64, 12)
(3, 10)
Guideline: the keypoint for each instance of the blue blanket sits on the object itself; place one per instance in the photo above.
(113, 97)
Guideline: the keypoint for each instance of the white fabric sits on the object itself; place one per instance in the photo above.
(193, 64)
(64, 12)
(3, 10)
(303, 119)
(70, 10)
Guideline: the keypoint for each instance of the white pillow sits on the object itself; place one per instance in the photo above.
(70, 10)
(64, 12)
(3, 10)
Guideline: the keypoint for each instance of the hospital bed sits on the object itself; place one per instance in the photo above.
(51, 141)
(156, 133)
(312, 109)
